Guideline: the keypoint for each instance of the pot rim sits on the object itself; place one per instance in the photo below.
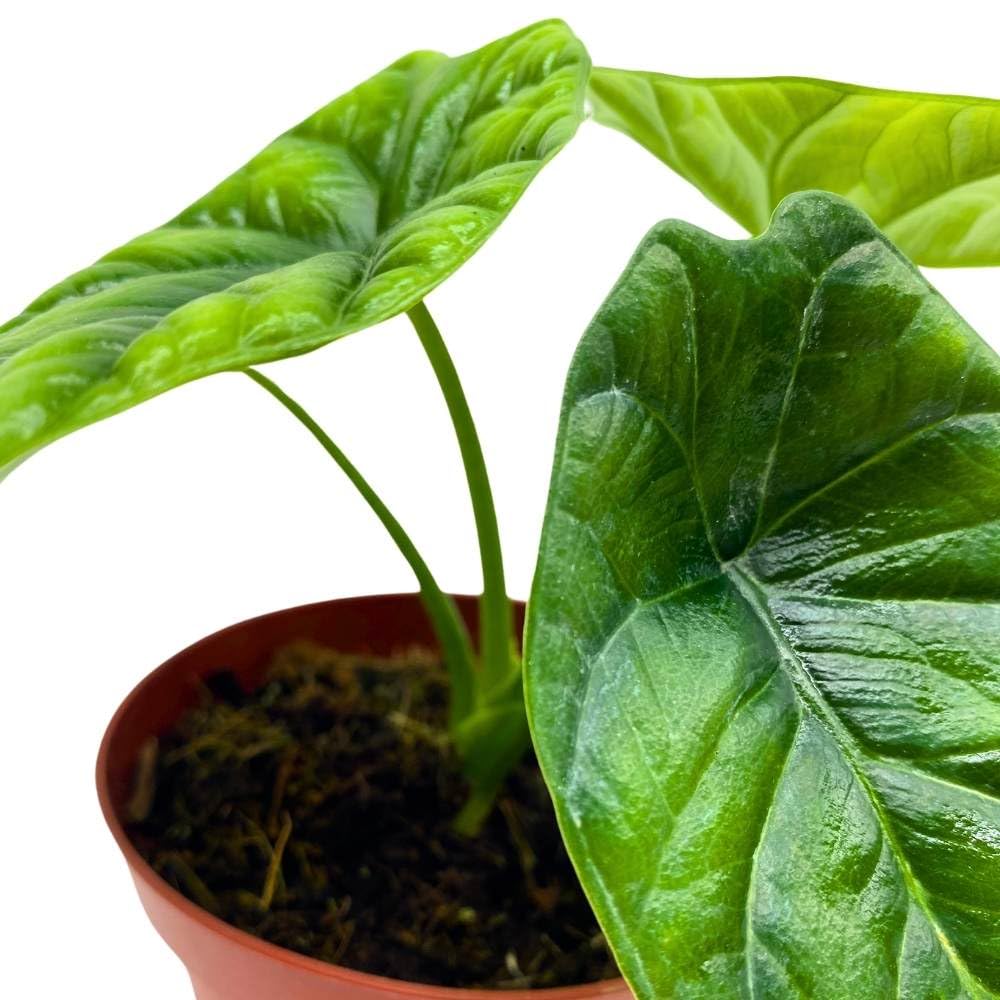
(312, 966)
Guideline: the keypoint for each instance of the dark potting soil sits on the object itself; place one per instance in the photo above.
(316, 813)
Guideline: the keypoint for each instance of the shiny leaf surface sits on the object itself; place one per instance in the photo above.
(763, 664)
(925, 167)
(348, 219)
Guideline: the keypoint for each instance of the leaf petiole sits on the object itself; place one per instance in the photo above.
(496, 621)
(449, 628)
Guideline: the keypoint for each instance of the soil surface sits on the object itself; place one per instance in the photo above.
(316, 813)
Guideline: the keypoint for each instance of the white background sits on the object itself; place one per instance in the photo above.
(132, 538)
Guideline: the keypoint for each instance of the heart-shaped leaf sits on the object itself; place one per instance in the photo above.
(925, 167)
(763, 652)
(346, 220)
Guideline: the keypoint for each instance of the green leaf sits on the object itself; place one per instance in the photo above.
(346, 220)
(763, 664)
(925, 167)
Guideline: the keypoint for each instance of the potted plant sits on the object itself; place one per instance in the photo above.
(355, 216)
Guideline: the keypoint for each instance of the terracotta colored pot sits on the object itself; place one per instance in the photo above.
(226, 963)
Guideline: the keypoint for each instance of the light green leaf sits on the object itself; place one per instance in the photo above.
(763, 664)
(925, 167)
(346, 220)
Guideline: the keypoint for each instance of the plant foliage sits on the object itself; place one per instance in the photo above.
(348, 219)
(925, 167)
(762, 664)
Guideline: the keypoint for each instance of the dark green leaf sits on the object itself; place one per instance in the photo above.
(925, 167)
(345, 221)
(763, 659)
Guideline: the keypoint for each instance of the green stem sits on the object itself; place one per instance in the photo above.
(496, 624)
(448, 625)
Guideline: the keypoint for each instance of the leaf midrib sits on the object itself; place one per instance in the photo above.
(754, 592)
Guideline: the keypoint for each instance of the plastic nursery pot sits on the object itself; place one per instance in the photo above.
(224, 962)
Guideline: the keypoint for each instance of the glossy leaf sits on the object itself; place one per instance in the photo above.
(925, 167)
(763, 663)
(348, 219)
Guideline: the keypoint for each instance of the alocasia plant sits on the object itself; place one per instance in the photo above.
(925, 167)
(356, 214)
(763, 669)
